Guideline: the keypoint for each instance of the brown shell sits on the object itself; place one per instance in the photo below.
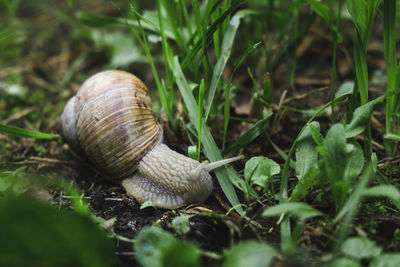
(114, 122)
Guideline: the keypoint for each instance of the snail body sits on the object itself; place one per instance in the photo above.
(110, 120)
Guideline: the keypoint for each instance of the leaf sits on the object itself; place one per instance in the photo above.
(386, 260)
(361, 118)
(344, 262)
(249, 253)
(359, 248)
(124, 51)
(248, 136)
(393, 137)
(258, 170)
(156, 247)
(147, 204)
(210, 147)
(181, 225)
(351, 205)
(354, 163)
(11, 179)
(322, 9)
(345, 88)
(335, 158)
(96, 20)
(358, 12)
(227, 44)
(386, 190)
(36, 234)
(211, 30)
(301, 210)
(306, 155)
(302, 188)
(20, 132)
(315, 133)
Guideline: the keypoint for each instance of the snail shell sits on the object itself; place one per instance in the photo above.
(110, 120)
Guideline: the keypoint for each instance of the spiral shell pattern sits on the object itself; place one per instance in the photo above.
(115, 125)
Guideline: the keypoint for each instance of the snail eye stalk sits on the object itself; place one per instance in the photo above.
(213, 165)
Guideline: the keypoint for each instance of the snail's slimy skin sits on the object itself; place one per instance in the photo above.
(165, 177)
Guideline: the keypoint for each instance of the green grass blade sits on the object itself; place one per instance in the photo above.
(210, 147)
(227, 44)
(171, 13)
(20, 132)
(389, 191)
(164, 98)
(389, 38)
(227, 91)
(186, 16)
(227, 109)
(360, 62)
(247, 137)
(208, 35)
(201, 31)
(95, 20)
(168, 61)
(299, 209)
(200, 117)
(393, 137)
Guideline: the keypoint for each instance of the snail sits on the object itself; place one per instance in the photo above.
(110, 121)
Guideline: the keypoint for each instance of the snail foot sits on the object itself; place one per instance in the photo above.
(144, 190)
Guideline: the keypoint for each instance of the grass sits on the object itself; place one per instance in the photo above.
(206, 57)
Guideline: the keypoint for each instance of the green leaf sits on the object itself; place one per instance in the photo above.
(227, 44)
(393, 137)
(248, 136)
(147, 204)
(359, 248)
(11, 179)
(249, 253)
(302, 188)
(386, 260)
(344, 262)
(351, 205)
(124, 51)
(306, 155)
(345, 88)
(227, 90)
(258, 170)
(322, 9)
(181, 225)
(211, 30)
(156, 247)
(386, 190)
(316, 134)
(335, 158)
(96, 20)
(36, 234)
(361, 118)
(354, 163)
(210, 147)
(358, 12)
(301, 210)
(389, 38)
(19, 132)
